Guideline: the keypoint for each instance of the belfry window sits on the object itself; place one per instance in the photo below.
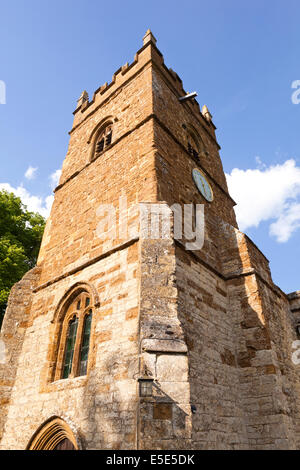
(72, 360)
(103, 141)
(192, 146)
(194, 143)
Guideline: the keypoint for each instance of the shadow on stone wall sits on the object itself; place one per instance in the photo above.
(239, 333)
(164, 423)
(108, 412)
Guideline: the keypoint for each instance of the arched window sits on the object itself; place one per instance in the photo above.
(103, 140)
(194, 143)
(72, 360)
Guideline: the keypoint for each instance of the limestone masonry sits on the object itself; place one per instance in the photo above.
(129, 342)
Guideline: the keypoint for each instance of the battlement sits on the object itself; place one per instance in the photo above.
(294, 299)
(148, 53)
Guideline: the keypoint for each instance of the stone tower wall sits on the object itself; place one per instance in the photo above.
(101, 406)
(207, 325)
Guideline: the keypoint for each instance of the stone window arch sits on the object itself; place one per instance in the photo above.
(103, 139)
(72, 340)
(72, 360)
(54, 434)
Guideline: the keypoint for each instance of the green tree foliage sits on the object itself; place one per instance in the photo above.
(21, 233)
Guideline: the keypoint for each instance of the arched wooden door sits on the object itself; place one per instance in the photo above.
(65, 444)
(55, 434)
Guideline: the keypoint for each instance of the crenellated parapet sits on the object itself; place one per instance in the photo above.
(294, 300)
(148, 53)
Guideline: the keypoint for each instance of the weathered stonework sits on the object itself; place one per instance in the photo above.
(208, 326)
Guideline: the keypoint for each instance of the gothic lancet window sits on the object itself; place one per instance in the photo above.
(75, 338)
(103, 140)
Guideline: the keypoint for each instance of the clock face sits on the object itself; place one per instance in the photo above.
(203, 185)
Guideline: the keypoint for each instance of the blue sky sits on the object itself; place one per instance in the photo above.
(240, 56)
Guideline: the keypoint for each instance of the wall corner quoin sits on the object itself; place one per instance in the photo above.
(12, 336)
(20, 299)
(163, 349)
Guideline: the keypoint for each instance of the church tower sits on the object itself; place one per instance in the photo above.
(150, 320)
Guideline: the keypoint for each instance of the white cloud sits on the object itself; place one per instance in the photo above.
(287, 223)
(30, 173)
(39, 204)
(268, 194)
(54, 178)
(260, 164)
(33, 203)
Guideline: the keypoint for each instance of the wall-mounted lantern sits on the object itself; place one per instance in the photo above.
(146, 386)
